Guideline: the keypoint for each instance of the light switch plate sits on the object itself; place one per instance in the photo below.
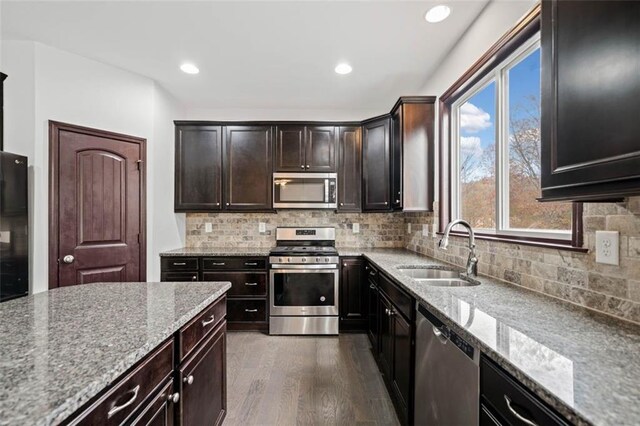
(608, 247)
(425, 230)
(262, 227)
(356, 228)
(208, 227)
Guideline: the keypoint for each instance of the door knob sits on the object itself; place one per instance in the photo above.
(68, 259)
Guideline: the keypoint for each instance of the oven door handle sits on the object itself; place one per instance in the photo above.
(302, 268)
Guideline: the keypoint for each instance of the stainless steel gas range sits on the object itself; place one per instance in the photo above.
(304, 280)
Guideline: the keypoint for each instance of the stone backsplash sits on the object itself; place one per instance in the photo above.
(381, 230)
(575, 277)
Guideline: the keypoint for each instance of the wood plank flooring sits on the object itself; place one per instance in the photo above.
(300, 380)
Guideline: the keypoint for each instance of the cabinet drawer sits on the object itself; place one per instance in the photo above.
(247, 311)
(398, 297)
(233, 263)
(127, 395)
(160, 409)
(196, 330)
(179, 276)
(511, 400)
(372, 274)
(242, 283)
(179, 264)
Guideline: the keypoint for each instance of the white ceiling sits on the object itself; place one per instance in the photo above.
(255, 54)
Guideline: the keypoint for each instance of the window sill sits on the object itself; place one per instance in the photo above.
(525, 241)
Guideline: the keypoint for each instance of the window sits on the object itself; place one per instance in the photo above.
(491, 118)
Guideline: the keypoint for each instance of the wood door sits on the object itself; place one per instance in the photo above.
(198, 174)
(247, 168)
(203, 383)
(396, 157)
(376, 157)
(385, 356)
(349, 169)
(590, 143)
(97, 203)
(320, 149)
(353, 295)
(290, 149)
(402, 361)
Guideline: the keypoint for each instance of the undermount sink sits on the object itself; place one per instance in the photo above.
(437, 276)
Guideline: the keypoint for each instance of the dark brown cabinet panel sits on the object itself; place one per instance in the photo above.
(198, 168)
(203, 386)
(373, 301)
(353, 303)
(320, 150)
(248, 165)
(396, 159)
(160, 411)
(290, 149)
(402, 363)
(590, 99)
(349, 169)
(242, 283)
(179, 276)
(385, 336)
(376, 161)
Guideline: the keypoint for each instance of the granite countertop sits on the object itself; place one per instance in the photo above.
(584, 364)
(218, 251)
(60, 348)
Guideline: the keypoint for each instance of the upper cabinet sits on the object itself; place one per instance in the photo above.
(198, 168)
(349, 169)
(590, 146)
(376, 162)
(412, 153)
(2, 78)
(247, 168)
(306, 148)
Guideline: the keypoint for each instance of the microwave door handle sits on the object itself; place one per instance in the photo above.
(326, 190)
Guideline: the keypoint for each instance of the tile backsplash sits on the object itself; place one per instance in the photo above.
(572, 276)
(241, 229)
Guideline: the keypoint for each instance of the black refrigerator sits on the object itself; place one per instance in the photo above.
(14, 227)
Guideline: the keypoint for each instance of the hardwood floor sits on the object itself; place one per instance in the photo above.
(299, 380)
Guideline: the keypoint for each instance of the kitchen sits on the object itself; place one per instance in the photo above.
(203, 223)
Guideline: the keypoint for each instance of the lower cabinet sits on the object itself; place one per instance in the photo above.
(373, 302)
(160, 410)
(354, 308)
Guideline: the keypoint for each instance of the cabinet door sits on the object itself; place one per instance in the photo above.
(198, 168)
(320, 150)
(349, 169)
(376, 158)
(353, 295)
(402, 362)
(247, 168)
(590, 99)
(385, 356)
(290, 149)
(373, 320)
(203, 383)
(160, 411)
(396, 158)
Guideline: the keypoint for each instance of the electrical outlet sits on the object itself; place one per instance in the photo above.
(208, 227)
(408, 228)
(262, 227)
(608, 247)
(425, 230)
(356, 228)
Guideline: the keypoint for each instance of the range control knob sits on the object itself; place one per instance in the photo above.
(280, 260)
(289, 259)
(326, 259)
(318, 260)
(304, 259)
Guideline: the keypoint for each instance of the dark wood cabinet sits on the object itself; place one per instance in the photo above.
(590, 146)
(376, 162)
(248, 165)
(3, 77)
(305, 148)
(198, 173)
(349, 169)
(354, 306)
(160, 410)
(385, 337)
(202, 382)
(402, 362)
(396, 159)
(373, 302)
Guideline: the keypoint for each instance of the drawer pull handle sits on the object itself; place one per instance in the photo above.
(211, 319)
(119, 408)
(189, 379)
(250, 263)
(218, 263)
(174, 397)
(373, 273)
(179, 264)
(518, 415)
(251, 284)
(251, 310)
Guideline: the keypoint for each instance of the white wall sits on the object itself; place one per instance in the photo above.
(51, 84)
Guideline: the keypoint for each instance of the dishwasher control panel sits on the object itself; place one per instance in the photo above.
(461, 344)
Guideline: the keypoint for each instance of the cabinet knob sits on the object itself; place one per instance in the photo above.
(227, 203)
(307, 166)
(217, 204)
(189, 379)
(386, 203)
(342, 204)
(302, 166)
(194, 278)
(175, 397)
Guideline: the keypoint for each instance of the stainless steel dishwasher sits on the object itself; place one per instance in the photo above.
(447, 388)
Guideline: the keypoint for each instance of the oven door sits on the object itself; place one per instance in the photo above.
(304, 290)
(305, 191)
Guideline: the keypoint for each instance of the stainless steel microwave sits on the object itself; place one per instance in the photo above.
(305, 190)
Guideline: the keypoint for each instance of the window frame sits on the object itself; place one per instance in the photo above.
(507, 52)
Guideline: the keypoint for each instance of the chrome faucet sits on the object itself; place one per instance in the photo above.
(472, 261)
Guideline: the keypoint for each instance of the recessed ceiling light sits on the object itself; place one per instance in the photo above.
(189, 68)
(343, 68)
(437, 13)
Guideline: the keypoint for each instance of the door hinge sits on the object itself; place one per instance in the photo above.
(139, 162)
